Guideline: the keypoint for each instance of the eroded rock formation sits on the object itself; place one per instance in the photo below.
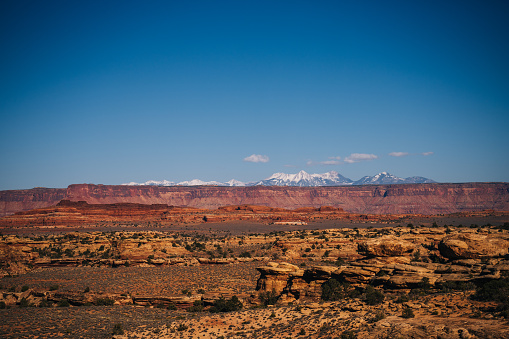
(464, 256)
(369, 199)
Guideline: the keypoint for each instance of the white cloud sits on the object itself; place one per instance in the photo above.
(357, 157)
(427, 153)
(333, 161)
(257, 158)
(330, 162)
(399, 154)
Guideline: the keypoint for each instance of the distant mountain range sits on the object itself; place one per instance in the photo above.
(302, 179)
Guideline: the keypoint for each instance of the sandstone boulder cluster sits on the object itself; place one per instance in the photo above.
(20, 255)
(393, 263)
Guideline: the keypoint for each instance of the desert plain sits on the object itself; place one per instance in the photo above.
(82, 270)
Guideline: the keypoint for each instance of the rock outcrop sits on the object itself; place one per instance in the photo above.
(472, 246)
(417, 258)
(386, 246)
(370, 199)
(25, 200)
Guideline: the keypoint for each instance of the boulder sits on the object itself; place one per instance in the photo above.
(386, 246)
(472, 246)
(274, 277)
(409, 279)
(354, 275)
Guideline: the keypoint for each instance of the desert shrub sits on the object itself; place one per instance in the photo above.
(333, 290)
(223, 305)
(495, 290)
(402, 299)
(104, 302)
(172, 307)
(268, 298)
(407, 313)
(505, 226)
(373, 296)
(182, 327)
(302, 332)
(12, 289)
(23, 302)
(2, 305)
(416, 256)
(117, 329)
(325, 328)
(348, 335)
(63, 303)
(379, 315)
(24, 288)
(245, 254)
(87, 289)
(424, 284)
(45, 303)
(448, 286)
(197, 306)
(53, 287)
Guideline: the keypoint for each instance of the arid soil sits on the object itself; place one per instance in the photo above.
(408, 281)
(68, 216)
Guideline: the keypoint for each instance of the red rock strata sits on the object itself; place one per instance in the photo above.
(80, 213)
(368, 199)
(69, 213)
(25, 200)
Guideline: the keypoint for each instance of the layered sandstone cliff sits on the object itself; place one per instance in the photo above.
(25, 200)
(370, 199)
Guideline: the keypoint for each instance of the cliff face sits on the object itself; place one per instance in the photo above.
(378, 199)
(371, 199)
(24, 200)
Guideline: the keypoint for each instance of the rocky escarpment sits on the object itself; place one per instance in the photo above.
(371, 199)
(79, 213)
(24, 200)
(396, 263)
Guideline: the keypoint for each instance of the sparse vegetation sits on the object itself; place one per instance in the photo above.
(223, 305)
(104, 302)
(117, 329)
(63, 303)
(373, 296)
(495, 290)
(268, 298)
(197, 306)
(333, 290)
(407, 313)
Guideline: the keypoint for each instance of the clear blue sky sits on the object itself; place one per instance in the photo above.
(109, 92)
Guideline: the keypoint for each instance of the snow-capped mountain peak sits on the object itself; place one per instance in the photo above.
(305, 179)
(301, 178)
(151, 183)
(198, 182)
(385, 178)
(234, 182)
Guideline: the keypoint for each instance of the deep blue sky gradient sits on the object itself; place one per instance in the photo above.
(109, 92)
